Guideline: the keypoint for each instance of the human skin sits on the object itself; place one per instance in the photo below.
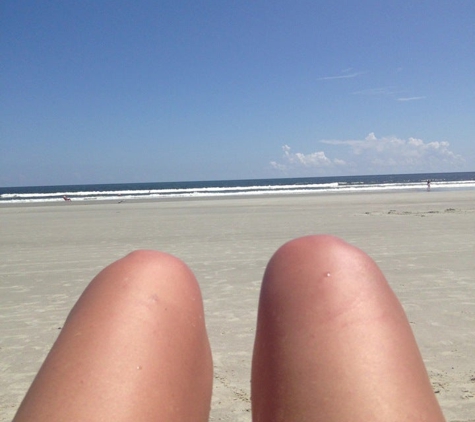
(134, 347)
(333, 342)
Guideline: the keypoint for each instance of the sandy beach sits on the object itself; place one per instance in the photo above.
(423, 241)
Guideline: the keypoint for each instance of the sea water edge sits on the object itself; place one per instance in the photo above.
(232, 188)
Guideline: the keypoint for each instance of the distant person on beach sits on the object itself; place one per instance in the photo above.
(428, 185)
(332, 344)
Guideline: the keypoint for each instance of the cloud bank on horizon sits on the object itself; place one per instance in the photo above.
(372, 155)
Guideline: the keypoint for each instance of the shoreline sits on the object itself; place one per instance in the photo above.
(239, 196)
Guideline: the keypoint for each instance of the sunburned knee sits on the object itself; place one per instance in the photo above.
(322, 273)
(316, 250)
(317, 259)
(162, 277)
(314, 243)
(145, 255)
(155, 268)
(142, 259)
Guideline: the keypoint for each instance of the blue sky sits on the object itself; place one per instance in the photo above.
(145, 91)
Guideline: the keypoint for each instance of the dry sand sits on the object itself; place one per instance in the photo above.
(424, 242)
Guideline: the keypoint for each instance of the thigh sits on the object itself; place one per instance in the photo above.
(134, 347)
(333, 342)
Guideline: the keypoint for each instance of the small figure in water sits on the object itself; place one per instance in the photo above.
(428, 186)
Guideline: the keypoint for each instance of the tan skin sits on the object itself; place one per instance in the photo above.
(332, 344)
(133, 347)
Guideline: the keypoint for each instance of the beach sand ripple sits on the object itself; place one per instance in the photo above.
(424, 242)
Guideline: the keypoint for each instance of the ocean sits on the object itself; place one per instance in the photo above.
(225, 188)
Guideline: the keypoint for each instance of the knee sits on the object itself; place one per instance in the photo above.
(317, 271)
(313, 244)
(154, 264)
(318, 255)
(152, 276)
(143, 257)
(159, 269)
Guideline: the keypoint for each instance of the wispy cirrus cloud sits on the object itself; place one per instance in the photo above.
(388, 91)
(410, 98)
(383, 91)
(373, 154)
(345, 74)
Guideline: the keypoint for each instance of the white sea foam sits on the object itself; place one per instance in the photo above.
(232, 189)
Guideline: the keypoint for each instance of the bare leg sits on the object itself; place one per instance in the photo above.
(134, 348)
(333, 342)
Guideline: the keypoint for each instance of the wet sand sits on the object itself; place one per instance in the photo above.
(423, 241)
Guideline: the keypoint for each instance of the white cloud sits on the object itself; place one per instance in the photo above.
(314, 160)
(410, 98)
(388, 91)
(345, 74)
(403, 155)
(383, 91)
(374, 155)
